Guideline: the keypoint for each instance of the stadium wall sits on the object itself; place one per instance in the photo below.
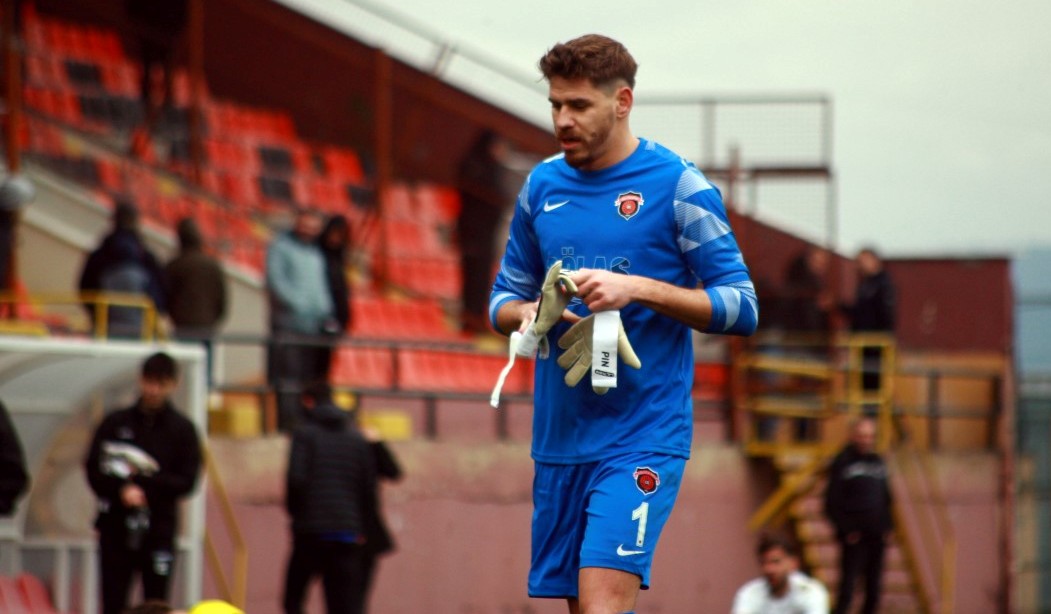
(461, 519)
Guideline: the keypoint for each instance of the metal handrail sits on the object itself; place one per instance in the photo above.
(935, 527)
(798, 483)
(238, 593)
(99, 301)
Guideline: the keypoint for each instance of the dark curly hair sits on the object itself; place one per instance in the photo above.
(594, 57)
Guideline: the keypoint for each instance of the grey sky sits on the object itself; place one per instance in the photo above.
(942, 139)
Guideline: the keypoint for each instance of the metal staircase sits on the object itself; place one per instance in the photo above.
(797, 396)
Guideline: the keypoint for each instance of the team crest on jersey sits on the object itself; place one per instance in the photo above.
(646, 480)
(628, 204)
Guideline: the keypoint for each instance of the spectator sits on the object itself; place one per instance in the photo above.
(300, 311)
(123, 264)
(331, 482)
(378, 540)
(196, 289)
(782, 588)
(158, 29)
(873, 311)
(142, 461)
(806, 309)
(14, 480)
(806, 297)
(335, 243)
(483, 200)
(857, 502)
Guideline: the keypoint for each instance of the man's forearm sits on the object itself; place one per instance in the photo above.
(511, 314)
(691, 306)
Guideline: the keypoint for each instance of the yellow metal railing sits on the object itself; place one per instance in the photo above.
(925, 532)
(235, 591)
(832, 371)
(794, 485)
(99, 303)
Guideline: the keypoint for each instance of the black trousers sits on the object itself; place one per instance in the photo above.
(863, 559)
(293, 365)
(154, 563)
(341, 567)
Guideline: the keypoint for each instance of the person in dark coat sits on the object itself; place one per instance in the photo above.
(874, 311)
(806, 300)
(142, 461)
(14, 480)
(122, 263)
(483, 201)
(858, 504)
(378, 540)
(334, 242)
(196, 286)
(331, 482)
(196, 289)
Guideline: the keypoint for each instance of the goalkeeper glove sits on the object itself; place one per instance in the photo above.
(555, 294)
(578, 342)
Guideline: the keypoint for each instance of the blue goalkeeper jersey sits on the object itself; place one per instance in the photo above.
(653, 214)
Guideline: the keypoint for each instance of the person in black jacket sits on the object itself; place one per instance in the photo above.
(141, 462)
(483, 202)
(857, 502)
(122, 263)
(13, 477)
(378, 540)
(334, 242)
(331, 483)
(874, 311)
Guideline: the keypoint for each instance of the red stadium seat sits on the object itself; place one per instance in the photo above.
(438, 277)
(11, 600)
(710, 381)
(447, 371)
(363, 367)
(35, 595)
(382, 319)
(343, 164)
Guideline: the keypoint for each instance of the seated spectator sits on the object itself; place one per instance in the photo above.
(782, 588)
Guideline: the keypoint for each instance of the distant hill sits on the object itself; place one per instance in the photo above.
(1032, 279)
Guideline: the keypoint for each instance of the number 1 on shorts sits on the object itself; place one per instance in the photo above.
(640, 513)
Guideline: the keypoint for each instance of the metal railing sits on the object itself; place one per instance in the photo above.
(236, 590)
(925, 531)
(99, 305)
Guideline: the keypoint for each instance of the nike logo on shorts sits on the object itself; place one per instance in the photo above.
(553, 206)
(622, 552)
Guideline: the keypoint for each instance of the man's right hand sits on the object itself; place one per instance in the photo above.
(132, 495)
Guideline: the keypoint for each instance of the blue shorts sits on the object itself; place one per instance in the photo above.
(607, 514)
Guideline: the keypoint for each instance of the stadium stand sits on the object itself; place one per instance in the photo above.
(82, 94)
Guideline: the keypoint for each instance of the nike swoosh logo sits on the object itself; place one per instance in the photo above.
(553, 206)
(622, 552)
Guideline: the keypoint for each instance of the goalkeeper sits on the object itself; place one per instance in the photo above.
(638, 232)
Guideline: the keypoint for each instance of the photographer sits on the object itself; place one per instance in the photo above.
(142, 460)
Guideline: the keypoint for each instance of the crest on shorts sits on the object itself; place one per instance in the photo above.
(628, 204)
(646, 480)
